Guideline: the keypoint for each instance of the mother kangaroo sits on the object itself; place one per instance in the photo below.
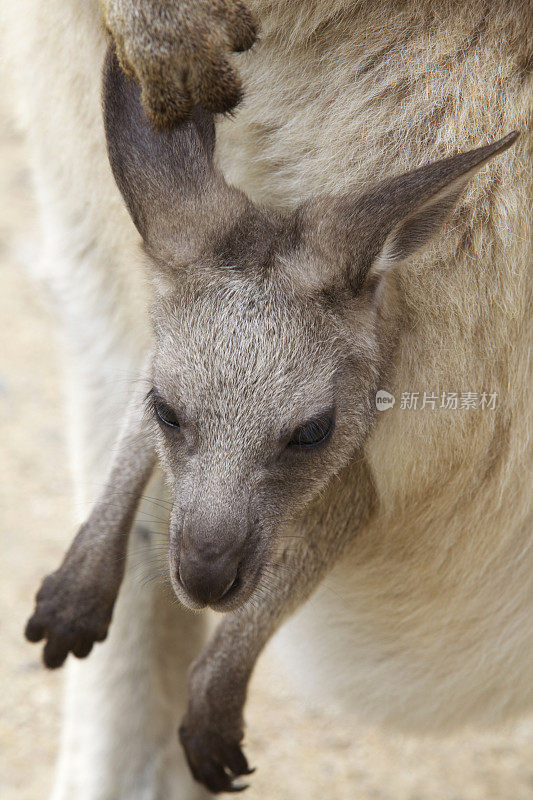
(429, 621)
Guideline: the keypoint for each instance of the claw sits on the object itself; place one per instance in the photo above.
(34, 630)
(235, 760)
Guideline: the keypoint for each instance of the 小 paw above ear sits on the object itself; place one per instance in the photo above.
(179, 52)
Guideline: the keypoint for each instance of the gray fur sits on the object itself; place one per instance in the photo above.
(75, 603)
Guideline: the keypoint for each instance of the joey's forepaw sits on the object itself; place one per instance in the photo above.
(70, 618)
(178, 53)
(215, 759)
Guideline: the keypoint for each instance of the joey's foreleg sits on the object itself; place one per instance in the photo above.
(75, 603)
(213, 728)
(178, 52)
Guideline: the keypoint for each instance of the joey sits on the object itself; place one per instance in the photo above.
(272, 334)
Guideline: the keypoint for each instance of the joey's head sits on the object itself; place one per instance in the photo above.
(272, 334)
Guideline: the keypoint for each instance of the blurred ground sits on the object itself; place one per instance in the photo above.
(300, 754)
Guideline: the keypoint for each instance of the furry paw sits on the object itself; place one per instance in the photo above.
(213, 729)
(70, 617)
(178, 52)
(215, 759)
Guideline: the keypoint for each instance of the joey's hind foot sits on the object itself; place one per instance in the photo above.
(178, 52)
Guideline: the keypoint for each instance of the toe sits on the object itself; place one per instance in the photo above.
(34, 630)
(55, 652)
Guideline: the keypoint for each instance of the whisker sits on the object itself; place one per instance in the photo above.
(166, 505)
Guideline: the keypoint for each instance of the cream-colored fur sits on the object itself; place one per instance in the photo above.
(428, 623)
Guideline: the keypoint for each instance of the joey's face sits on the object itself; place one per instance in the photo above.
(258, 400)
(264, 372)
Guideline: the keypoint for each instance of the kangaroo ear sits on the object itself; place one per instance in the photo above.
(367, 235)
(426, 197)
(176, 198)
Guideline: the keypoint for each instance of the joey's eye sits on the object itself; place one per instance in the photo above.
(165, 413)
(313, 432)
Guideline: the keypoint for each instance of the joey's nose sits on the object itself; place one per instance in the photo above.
(207, 579)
